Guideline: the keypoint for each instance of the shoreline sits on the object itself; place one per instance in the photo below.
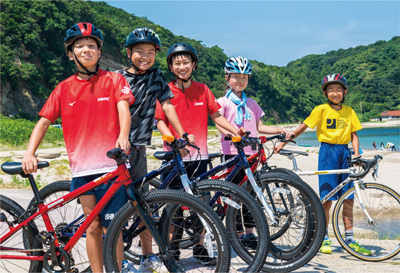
(388, 123)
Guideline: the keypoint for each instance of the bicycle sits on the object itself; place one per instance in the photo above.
(45, 249)
(233, 195)
(296, 217)
(376, 209)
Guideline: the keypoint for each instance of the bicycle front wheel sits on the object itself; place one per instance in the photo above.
(178, 211)
(23, 239)
(376, 229)
(300, 217)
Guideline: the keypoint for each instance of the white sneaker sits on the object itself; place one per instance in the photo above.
(128, 267)
(151, 263)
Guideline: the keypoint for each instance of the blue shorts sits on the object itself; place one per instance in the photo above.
(116, 202)
(333, 157)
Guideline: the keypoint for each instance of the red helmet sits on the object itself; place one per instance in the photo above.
(334, 78)
(82, 30)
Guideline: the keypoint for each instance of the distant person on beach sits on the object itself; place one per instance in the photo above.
(337, 126)
(382, 146)
(391, 147)
(374, 144)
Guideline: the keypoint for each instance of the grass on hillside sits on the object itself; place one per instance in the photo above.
(15, 134)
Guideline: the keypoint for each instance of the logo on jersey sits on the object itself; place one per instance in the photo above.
(198, 103)
(72, 104)
(109, 216)
(330, 123)
(126, 90)
(103, 99)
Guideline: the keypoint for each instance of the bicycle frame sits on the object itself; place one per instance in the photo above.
(123, 179)
(233, 165)
(351, 170)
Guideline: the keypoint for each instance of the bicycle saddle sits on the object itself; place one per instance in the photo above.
(164, 155)
(213, 156)
(288, 152)
(16, 167)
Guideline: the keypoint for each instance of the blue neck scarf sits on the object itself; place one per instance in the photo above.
(240, 103)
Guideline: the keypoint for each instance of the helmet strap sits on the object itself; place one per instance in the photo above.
(183, 81)
(331, 102)
(87, 72)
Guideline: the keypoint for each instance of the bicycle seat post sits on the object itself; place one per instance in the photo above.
(291, 157)
(35, 189)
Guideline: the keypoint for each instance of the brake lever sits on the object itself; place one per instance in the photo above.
(375, 173)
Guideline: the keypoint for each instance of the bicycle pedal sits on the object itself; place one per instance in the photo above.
(3, 217)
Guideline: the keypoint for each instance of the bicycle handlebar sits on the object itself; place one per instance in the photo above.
(178, 144)
(257, 140)
(366, 164)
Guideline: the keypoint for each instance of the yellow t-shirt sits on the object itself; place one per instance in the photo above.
(334, 127)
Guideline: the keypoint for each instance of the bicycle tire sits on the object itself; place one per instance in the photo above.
(253, 212)
(174, 199)
(12, 210)
(302, 239)
(61, 217)
(380, 237)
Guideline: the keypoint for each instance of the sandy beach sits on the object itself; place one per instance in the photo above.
(389, 175)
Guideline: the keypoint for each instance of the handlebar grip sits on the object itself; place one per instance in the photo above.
(168, 138)
(236, 139)
(227, 138)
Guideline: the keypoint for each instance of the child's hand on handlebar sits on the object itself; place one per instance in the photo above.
(123, 143)
(288, 135)
(241, 132)
(191, 138)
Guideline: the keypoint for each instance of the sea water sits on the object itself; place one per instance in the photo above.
(366, 136)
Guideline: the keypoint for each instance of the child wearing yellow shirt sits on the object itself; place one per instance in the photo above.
(337, 126)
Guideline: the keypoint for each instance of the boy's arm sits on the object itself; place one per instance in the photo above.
(172, 116)
(295, 134)
(29, 161)
(356, 144)
(124, 124)
(268, 130)
(222, 122)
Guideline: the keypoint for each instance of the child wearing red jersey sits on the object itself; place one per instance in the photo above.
(193, 103)
(94, 107)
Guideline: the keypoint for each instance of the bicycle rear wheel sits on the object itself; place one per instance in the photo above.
(25, 238)
(381, 236)
(65, 220)
(301, 221)
(178, 211)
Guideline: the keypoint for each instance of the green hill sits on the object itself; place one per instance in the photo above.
(33, 62)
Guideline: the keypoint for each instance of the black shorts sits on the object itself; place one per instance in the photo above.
(200, 165)
(116, 202)
(138, 162)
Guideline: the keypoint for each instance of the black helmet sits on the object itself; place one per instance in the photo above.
(82, 29)
(181, 48)
(143, 35)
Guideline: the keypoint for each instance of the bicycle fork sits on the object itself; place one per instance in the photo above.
(209, 235)
(261, 197)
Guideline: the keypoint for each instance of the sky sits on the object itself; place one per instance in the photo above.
(274, 32)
